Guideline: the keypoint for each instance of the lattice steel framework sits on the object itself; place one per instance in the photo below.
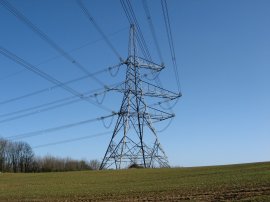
(134, 139)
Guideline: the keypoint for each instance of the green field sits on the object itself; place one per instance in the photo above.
(247, 182)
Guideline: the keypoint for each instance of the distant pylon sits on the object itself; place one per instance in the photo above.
(134, 139)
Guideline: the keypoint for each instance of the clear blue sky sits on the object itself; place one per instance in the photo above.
(223, 54)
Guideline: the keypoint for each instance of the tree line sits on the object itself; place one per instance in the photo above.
(19, 157)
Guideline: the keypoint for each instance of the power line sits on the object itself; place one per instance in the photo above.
(41, 91)
(156, 78)
(62, 127)
(140, 33)
(149, 19)
(127, 7)
(44, 75)
(58, 56)
(170, 39)
(83, 46)
(58, 103)
(56, 86)
(92, 20)
(46, 38)
(132, 21)
(39, 106)
(38, 111)
(72, 140)
(130, 14)
(63, 102)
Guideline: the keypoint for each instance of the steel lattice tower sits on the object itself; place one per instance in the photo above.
(134, 139)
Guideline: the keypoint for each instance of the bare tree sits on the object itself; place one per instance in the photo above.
(19, 157)
(26, 157)
(95, 164)
(3, 144)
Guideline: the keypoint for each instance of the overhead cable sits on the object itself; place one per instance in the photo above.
(130, 14)
(72, 140)
(62, 127)
(46, 38)
(56, 86)
(152, 28)
(92, 20)
(46, 76)
(127, 7)
(72, 50)
(171, 43)
(54, 104)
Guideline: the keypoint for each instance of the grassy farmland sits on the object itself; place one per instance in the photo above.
(247, 182)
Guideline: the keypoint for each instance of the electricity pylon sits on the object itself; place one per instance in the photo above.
(134, 139)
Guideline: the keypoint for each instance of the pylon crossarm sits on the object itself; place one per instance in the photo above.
(163, 95)
(154, 90)
(166, 100)
(115, 66)
(149, 90)
(149, 94)
(157, 116)
(115, 86)
(143, 63)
